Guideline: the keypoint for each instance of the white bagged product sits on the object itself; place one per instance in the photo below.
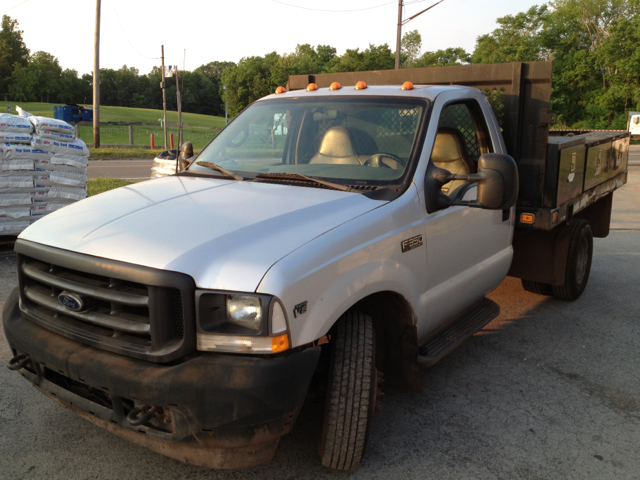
(22, 113)
(15, 137)
(51, 124)
(15, 199)
(14, 212)
(9, 180)
(77, 147)
(14, 123)
(42, 179)
(63, 137)
(63, 177)
(55, 204)
(17, 165)
(15, 152)
(71, 193)
(71, 160)
(14, 227)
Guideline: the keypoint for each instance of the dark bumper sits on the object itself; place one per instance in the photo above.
(220, 411)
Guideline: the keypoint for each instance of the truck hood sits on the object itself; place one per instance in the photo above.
(224, 234)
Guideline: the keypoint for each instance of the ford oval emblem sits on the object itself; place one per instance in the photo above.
(71, 301)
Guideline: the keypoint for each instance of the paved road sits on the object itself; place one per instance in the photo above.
(548, 390)
(134, 169)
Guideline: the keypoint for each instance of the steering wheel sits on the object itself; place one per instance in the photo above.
(375, 160)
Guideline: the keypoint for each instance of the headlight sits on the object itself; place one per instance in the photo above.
(241, 323)
(244, 310)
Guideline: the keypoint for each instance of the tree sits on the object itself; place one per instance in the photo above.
(517, 39)
(46, 75)
(410, 48)
(13, 52)
(443, 58)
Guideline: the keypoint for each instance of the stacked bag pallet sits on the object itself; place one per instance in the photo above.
(43, 168)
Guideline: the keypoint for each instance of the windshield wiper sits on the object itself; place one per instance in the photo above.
(299, 176)
(213, 166)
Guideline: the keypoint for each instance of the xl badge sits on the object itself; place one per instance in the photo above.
(299, 309)
(71, 301)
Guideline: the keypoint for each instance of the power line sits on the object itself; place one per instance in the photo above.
(125, 36)
(16, 6)
(333, 11)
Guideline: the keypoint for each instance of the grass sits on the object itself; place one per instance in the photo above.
(116, 153)
(99, 185)
(122, 114)
(119, 135)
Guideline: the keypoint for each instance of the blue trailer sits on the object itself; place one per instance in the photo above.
(72, 113)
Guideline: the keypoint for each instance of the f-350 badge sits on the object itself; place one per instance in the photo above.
(411, 243)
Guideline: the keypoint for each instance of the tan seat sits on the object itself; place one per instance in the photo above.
(450, 153)
(337, 148)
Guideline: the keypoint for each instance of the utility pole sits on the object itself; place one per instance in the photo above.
(404, 22)
(179, 102)
(226, 117)
(96, 81)
(164, 102)
(399, 35)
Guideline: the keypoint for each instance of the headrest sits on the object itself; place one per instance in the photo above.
(448, 146)
(337, 143)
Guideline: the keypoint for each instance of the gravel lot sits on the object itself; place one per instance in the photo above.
(547, 390)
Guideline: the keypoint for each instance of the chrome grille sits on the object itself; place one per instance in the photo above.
(145, 319)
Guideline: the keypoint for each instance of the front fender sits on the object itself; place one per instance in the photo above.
(336, 270)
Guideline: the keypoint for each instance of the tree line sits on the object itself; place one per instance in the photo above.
(594, 44)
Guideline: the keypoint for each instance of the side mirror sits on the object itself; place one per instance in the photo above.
(186, 154)
(497, 180)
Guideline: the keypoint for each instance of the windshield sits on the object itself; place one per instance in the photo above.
(363, 141)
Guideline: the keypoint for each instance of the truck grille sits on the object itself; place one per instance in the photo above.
(123, 308)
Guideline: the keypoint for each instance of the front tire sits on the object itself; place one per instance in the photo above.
(351, 392)
(578, 262)
(536, 287)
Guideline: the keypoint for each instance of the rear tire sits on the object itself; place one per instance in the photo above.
(351, 392)
(578, 262)
(536, 287)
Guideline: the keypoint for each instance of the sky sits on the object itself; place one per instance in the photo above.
(196, 32)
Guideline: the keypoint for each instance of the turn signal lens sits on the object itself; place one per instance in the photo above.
(361, 85)
(207, 342)
(311, 87)
(407, 86)
(335, 86)
(527, 218)
(280, 343)
(280, 90)
(555, 217)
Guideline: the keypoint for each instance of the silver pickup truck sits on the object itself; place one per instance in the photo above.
(339, 233)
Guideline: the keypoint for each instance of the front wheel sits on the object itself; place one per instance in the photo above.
(578, 262)
(351, 392)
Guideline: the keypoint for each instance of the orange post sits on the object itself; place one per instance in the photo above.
(171, 140)
(153, 146)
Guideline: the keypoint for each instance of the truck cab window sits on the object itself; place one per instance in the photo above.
(462, 138)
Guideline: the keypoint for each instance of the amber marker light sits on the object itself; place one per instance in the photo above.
(335, 86)
(280, 343)
(527, 218)
(280, 90)
(361, 85)
(407, 86)
(555, 217)
(311, 87)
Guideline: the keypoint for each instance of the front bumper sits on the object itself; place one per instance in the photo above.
(218, 411)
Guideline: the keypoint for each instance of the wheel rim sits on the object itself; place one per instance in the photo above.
(582, 261)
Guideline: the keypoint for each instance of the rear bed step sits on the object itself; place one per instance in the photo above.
(457, 332)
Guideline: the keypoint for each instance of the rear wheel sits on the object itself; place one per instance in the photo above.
(578, 262)
(536, 287)
(351, 392)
